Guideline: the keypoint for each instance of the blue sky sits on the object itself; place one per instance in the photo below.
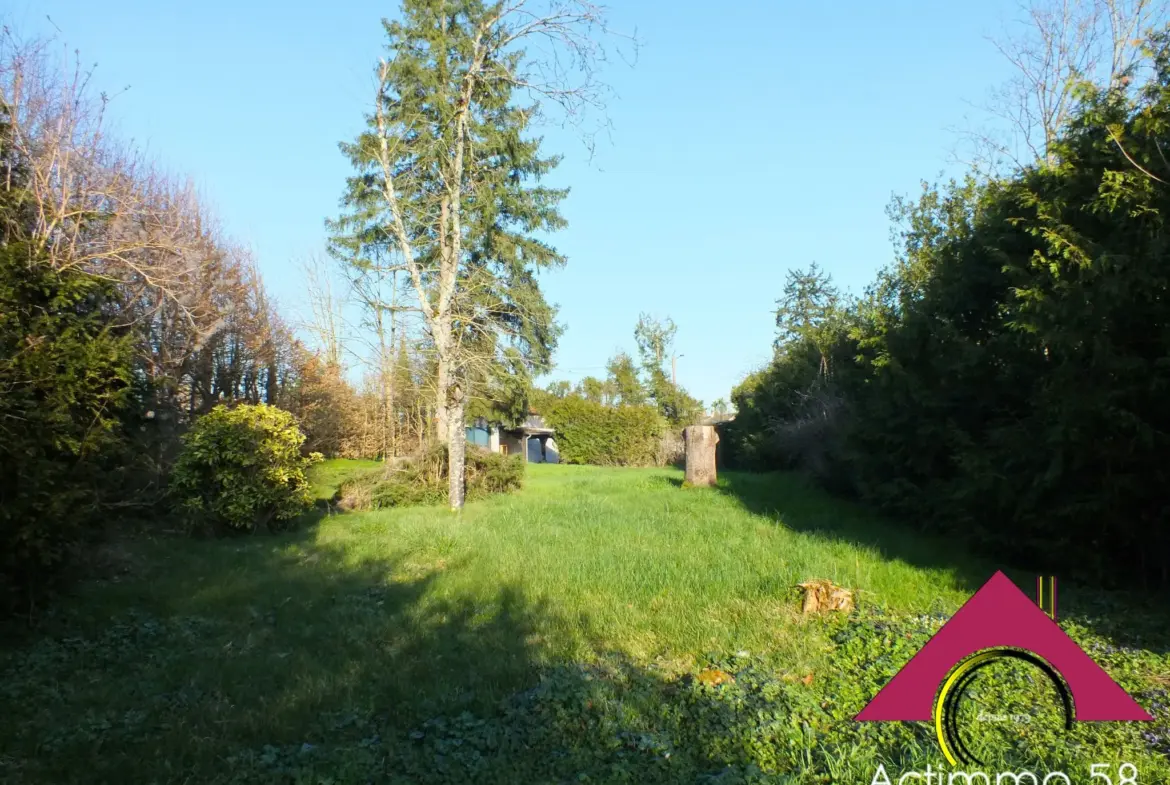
(746, 141)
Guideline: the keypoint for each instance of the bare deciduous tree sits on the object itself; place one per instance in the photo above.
(206, 328)
(94, 204)
(1053, 46)
(326, 319)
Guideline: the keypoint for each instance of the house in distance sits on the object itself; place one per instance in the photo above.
(531, 438)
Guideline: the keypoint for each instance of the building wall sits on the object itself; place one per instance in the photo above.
(551, 454)
(479, 433)
(514, 444)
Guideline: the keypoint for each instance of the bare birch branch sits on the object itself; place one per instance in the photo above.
(1053, 47)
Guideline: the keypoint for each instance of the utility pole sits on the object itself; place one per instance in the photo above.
(674, 367)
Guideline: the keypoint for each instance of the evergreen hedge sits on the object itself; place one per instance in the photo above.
(65, 377)
(1005, 382)
(588, 432)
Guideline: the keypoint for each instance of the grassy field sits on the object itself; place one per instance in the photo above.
(553, 635)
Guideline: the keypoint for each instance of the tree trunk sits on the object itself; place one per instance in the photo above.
(392, 361)
(442, 391)
(701, 441)
(420, 423)
(383, 400)
(456, 449)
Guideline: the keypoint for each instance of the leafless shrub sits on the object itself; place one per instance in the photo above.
(805, 442)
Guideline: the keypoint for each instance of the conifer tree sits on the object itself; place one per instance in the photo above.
(447, 184)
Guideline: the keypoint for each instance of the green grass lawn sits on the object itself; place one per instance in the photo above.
(546, 636)
(327, 476)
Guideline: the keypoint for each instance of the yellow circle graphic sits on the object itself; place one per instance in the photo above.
(954, 690)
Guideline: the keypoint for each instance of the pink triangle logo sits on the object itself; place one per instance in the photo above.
(1000, 616)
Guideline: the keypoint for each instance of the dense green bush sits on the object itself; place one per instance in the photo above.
(1005, 380)
(489, 473)
(423, 480)
(242, 467)
(588, 432)
(65, 376)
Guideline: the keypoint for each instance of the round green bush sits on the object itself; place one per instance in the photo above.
(242, 467)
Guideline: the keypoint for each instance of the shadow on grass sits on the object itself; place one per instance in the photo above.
(288, 659)
(801, 507)
(1130, 619)
(322, 508)
(285, 659)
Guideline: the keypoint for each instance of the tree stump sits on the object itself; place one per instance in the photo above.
(701, 441)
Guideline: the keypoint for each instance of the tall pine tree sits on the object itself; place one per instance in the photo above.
(447, 187)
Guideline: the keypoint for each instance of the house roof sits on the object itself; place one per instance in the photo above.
(533, 425)
(1000, 615)
(531, 430)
